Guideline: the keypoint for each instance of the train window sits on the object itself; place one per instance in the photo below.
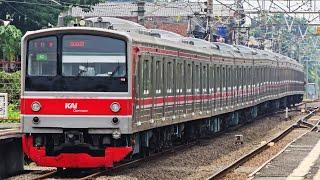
(146, 77)
(88, 55)
(159, 77)
(42, 57)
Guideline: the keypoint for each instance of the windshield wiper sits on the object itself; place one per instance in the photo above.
(115, 71)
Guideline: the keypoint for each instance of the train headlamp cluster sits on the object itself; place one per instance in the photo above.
(115, 107)
(35, 106)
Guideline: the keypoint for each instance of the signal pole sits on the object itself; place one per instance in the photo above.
(209, 19)
(141, 12)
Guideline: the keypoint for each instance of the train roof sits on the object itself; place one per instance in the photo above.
(140, 34)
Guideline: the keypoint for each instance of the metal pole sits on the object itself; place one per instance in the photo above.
(307, 66)
(141, 12)
(209, 19)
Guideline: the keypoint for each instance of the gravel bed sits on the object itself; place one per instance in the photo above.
(32, 171)
(242, 172)
(199, 162)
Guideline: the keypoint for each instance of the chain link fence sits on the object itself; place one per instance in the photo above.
(10, 85)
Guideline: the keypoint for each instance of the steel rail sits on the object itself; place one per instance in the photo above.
(166, 152)
(155, 155)
(140, 160)
(246, 157)
(46, 175)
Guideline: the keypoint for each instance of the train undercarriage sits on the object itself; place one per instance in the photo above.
(77, 148)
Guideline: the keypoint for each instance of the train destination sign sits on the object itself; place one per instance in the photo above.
(3, 105)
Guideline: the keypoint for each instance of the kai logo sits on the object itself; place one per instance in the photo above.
(71, 105)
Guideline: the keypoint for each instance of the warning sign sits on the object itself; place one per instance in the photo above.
(3, 105)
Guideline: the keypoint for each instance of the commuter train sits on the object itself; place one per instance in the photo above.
(93, 97)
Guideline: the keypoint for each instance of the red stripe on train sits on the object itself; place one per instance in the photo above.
(69, 106)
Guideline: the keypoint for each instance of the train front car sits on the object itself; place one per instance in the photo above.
(76, 104)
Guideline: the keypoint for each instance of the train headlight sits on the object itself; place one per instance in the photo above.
(115, 107)
(36, 106)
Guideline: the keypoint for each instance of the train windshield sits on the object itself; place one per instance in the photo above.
(87, 55)
(77, 62)
(42, 57)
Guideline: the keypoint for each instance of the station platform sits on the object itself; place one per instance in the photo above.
(300, 160)
(10, 130)
(11, 155)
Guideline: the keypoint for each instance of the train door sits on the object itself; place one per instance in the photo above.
(223, 87)
(218, 94)
(158, 101)
(180, 97)
(138, 89)
(246, 89)
(233, 88)
(238, 85)
(169, 87)
(211, 88)
(240, 93)
(197, 86)
(251, 88)
(235, 85)
(227, 87)
(216, 86)
(255, 83)
(146, 88)
(204, 87)
(189, 90)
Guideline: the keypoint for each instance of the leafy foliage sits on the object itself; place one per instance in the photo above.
(13, 112)
(10, 38)
(36, 14)
(285, 32)
(10, 83)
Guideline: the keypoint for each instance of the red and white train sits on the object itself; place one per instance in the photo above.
(92, 97)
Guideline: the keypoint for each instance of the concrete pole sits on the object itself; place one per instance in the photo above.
(209, 18)
(141, 11)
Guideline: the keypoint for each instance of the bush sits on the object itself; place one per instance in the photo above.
(10, 83)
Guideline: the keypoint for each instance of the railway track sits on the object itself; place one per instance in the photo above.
(101, 172)
(301, 122)
(98, 172)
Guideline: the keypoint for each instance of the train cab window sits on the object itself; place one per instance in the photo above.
(88, 55)
(42, 57)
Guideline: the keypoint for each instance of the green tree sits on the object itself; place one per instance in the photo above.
(36, 14)
(10, 38)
